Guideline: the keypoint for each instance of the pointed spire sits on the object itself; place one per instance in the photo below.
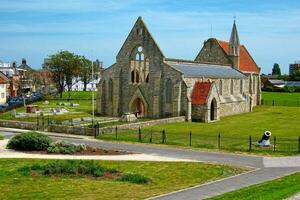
(234, 42)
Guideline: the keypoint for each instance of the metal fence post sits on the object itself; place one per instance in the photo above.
(273, 102)
(299, 144)
(140, 135)
(274, 144)
(262, 102)
(190, 138)
(116, 129)
(43, 122)
(250, 143)
(37, 122)
(163, 137)
(150, 140)
(219, 141)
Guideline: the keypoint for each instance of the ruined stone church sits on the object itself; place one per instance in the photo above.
(222, 80)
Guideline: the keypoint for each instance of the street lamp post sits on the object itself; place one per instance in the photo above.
(93, 112)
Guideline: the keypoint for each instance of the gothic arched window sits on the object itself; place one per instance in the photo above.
(231, 87)
(103, 97)
(241, 86)
(254, 85)
(139, 66)
(110, 89)
(169, 91)
(221, 87)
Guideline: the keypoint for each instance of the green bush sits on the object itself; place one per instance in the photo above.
(36, 166)
(135, 178)
(1, 137)
(62, 147)
(25, 171)
(73, 167)
(30, 141)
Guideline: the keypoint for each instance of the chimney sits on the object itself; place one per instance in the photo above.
(23, 61)
(14, 66)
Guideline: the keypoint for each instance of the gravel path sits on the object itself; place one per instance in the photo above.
(7, 153)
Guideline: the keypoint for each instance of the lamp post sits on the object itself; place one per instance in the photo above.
(93, 112)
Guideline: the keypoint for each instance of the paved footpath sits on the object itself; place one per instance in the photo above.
(263, 168)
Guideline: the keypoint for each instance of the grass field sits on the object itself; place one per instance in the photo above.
(84, 110)
(281, 98)
(165, 177)
(235, 130)
(77, 95)
(281, 188)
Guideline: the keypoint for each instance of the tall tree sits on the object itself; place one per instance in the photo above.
(86, 71)
(64, 66)
(295, 76)
(276, 69)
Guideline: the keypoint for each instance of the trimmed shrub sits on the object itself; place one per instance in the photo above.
(1, 137)
(135, 178)
(30, 141)
(73, 167)
(62, 147)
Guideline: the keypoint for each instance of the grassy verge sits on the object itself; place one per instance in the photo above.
(276, 189)
(281, 99)
(234, 131)
(1, 137)
(165, 177)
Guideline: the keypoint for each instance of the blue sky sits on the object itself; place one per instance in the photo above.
(34, 29)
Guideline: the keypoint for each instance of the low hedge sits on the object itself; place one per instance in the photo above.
(61, 147)
(29, 141)
(134, 178)
(81, 168)
(73, 167)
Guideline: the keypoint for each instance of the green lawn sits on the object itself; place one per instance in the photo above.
(1, 137)
(165, 177)
(281, 188)
(78, 95)
(84, 110)
(235, 130)
(281, 98)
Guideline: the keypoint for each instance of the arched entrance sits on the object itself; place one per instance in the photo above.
(213, 110)
(138, 107)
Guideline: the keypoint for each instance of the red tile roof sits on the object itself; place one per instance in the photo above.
(3, 78)
(247, 64)
(200, 92)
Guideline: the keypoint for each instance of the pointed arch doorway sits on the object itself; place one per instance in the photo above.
(213, 110)
(138, 107)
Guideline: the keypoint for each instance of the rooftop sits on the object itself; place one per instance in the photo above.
(195, 69)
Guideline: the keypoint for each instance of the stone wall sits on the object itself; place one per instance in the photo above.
(143, 124)
(71, 130)
(18, 124)
(199, 113)
(234, 108)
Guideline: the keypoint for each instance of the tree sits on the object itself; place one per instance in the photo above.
(276, 69)
(85, 71)
(295, 75)
(64, 66)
